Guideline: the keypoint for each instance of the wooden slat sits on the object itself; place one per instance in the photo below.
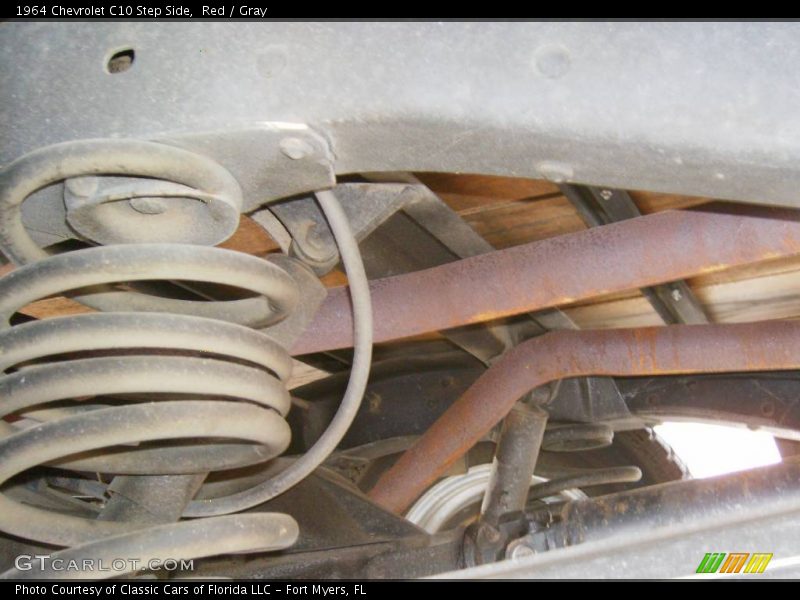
(334, 279)
(55, 307)
(759, 269)
(775, 296)
(465, 193)
(631, 311)
(509, 212)
(303, 374)
(526, 221)
(251, 238)
(651, 202)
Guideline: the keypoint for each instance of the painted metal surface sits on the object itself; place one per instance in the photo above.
(698, 108)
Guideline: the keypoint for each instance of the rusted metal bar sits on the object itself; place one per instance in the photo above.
(514, 462)
(622, 256)
(677, 349)
(675, 303)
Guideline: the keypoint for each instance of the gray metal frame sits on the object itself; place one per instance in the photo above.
(662, 531)
(698, 108)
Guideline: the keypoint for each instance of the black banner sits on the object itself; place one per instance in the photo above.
(288, 11)
(261, 590)
(189, 589)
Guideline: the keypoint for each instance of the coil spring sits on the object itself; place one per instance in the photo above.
(196, 388)
(578, 438)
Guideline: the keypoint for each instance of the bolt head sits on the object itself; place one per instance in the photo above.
(521, 551)
(491, 535)
(295, 148)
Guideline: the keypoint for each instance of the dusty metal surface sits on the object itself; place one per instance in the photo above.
(584, 480)
(165, 355)
(405, 397)
(767, 401)
(663, 531)
(342, 536)
(262, 170)
(720, 118)
(679, 349)
(514, 462)
(367, 206)
(621, 256)
(214, 390)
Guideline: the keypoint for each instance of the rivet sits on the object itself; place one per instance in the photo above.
(556, 172)
(552, 61)
(521, 551)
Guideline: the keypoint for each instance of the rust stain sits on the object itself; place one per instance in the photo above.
(649, 351)
(572, 268)
(488, 315)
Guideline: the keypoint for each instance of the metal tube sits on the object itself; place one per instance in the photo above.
(675, 303)
(766, 346)
(622, 256)
(665, 530)
(590, 478)
(514, 462)
(674, 504)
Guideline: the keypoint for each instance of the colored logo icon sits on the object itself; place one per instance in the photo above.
(735, 562)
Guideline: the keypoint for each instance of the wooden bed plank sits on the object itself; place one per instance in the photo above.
(526, 221)
(466, 193)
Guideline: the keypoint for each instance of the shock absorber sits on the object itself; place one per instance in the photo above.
(178, 387)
